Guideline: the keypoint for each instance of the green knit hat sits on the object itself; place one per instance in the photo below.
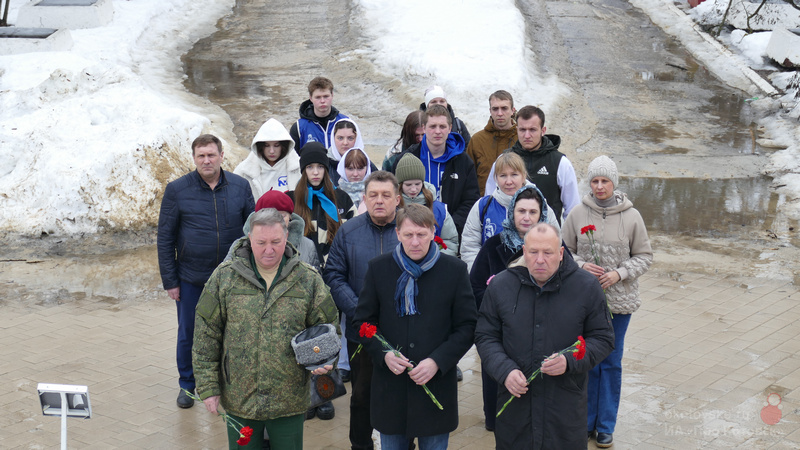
(409, 168)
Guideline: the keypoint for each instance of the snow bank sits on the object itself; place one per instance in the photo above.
(730, 68)
(752, 46)
(770, 16)
(471, 48)
(89, 138)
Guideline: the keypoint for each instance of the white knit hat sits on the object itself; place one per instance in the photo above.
(603, 166)
(434, 92)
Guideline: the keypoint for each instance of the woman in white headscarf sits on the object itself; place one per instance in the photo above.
(353, 169)
(346, 135)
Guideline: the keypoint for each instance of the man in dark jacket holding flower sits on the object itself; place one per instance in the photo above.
(422, 304)
(530, 312)
(357, 242)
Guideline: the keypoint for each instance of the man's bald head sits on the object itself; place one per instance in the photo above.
(543, 252)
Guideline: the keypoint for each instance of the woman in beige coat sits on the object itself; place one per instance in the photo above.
(621, 254)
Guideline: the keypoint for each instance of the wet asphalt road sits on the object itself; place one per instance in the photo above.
(684, 140)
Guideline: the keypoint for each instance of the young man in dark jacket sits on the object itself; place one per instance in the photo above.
(202, 213)
(317, 116)
(550, 170)
(358, 241)
(447, 166)
(536, 309)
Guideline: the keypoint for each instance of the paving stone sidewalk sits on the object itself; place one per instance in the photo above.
(702, 356)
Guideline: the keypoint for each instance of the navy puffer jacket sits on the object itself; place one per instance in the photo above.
(197, 226)
(358, 241)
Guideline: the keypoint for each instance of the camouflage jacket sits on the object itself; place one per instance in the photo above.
(242, 339)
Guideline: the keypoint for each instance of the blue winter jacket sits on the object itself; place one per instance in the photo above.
(308, 128)
(197, 226)
(358, 241)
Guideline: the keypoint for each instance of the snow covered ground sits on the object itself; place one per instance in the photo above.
(90, 137)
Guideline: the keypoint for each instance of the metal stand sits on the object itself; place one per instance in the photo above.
(64, 405)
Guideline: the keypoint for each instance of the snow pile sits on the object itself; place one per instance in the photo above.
(90, 137)
(471, 48)
(771, 15)
(752, 46)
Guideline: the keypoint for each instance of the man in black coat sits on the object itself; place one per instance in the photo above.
(530, 312)
(421, 302)
(358, 241)
(202, 214)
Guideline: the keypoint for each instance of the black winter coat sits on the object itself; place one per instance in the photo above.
(519, 324)
(459, 185)
(491, 260)
(357, 242)
(197, 225)
(546, 157)
(443, 330)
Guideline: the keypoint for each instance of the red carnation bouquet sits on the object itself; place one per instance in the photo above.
(589, 230)
(370, 331)
(578, 350)
(245, 433)
(440, 242)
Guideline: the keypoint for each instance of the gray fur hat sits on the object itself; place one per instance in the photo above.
(317, 346)
(603, 166)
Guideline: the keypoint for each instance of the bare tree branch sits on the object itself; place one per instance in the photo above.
(724, 17)
(793, 3)
(4, 15)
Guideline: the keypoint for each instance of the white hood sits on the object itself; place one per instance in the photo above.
(283, 175)
(272, 130)
(340, 168)
(333, 153)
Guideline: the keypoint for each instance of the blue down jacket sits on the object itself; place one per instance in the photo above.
(197, 226)
(358, 241)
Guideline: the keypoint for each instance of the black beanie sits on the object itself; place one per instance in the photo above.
(313, 152)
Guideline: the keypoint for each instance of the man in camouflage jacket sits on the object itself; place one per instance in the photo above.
(242, 353)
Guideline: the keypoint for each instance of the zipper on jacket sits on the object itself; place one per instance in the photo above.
(216, 218)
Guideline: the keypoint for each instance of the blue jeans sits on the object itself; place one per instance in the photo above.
(189, 296)
(400, 442)
(605, 382)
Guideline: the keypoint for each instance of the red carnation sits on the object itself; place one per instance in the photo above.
(244, 440)
(580, 352)
(440, 242)
(588, 228)
(367, 330)
(246, 432)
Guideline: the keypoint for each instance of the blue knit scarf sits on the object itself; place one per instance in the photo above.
(405, 294)
(327, 205)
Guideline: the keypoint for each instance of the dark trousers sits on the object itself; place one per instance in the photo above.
(285, 433)
(190, 294)
(361, 384)
(489, 398)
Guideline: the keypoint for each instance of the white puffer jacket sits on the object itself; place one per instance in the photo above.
(283, 175)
